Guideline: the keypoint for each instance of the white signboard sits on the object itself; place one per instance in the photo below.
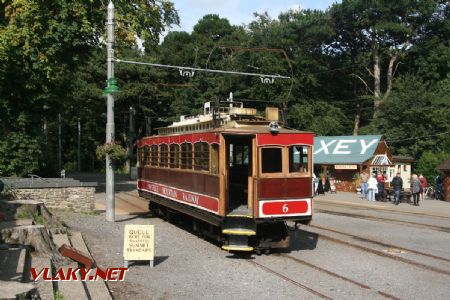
(139, 242)
(345, 167)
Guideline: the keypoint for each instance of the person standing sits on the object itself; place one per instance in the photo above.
(380, 180)
(416, 186)
(364, 186)
(397, 184)
(424, 183)
(372, 188)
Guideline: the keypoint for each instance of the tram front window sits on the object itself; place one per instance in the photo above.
(298, 159)
(271, 160)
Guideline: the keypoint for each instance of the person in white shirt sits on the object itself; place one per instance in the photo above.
(372, 188)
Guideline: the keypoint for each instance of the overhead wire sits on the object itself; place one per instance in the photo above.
(418, 138)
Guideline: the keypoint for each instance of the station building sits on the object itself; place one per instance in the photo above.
(345, 157)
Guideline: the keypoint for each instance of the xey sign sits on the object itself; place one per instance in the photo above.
(345, 149)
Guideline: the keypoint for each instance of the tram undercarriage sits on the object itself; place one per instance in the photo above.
(259, 235)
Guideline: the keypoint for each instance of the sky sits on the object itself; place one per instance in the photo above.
(238, 11)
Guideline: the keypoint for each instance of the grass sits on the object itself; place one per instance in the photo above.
(58, 295)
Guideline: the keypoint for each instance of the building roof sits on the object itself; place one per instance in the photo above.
(445, 166)
(402, 158)
(345, 149)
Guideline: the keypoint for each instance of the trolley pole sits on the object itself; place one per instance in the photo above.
(59, 144)
(79, 145)
(110, 201)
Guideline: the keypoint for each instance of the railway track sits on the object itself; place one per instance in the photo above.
(385, 220)
(296, 283)
(382, 253)
(357, 207)
(321, 270)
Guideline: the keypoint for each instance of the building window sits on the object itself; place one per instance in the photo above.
(214, 158)
(405, 168)
(271, 160)
(174, 161)
(298, 159)
(186, 156)
(154, 155)
(163, 155)
(201, 156)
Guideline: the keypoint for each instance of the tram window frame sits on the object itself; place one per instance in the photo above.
(186, 161)
(163, 155)
(262, 161)
(214, 154)
(291, 159)
(174, 156)
(145, 155)
(201, 156)
(154, 155)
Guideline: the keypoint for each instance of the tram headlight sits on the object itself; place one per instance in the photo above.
(274, 127)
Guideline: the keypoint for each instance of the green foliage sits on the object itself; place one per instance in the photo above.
(415, 117)
(116, 152)
(319, 117)
(20, 154)
(56, 65)
(428, 162)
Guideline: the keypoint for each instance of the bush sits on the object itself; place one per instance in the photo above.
(20, 155)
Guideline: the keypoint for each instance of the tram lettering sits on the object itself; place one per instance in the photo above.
(153, 187)
(190, 198)
(169, 192)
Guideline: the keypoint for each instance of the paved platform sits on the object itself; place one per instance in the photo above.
(427, 207)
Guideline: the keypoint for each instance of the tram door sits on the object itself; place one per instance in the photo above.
(239, 164)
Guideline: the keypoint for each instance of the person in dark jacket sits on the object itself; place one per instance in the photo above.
(397, 184)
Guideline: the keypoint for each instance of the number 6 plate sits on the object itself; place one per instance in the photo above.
(285, 208)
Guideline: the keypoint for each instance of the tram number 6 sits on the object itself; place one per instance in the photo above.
(285, 208)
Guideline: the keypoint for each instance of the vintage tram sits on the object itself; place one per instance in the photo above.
(239, 176)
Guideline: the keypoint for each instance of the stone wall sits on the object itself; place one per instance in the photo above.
(80, 199)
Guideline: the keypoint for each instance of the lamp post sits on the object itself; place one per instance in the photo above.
(109, 91)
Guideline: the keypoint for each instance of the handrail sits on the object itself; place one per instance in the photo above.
(37, 177)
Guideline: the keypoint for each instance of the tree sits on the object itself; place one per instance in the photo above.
(380, 32)
(43, 43)
(415, 117)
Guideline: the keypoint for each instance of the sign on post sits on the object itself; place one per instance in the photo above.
(139, 243)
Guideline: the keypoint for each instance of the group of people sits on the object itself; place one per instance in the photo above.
(372, 187)
(324, 184)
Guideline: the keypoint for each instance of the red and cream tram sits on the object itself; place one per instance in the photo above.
(239, 176)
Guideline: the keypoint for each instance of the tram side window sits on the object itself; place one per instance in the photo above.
(174, 161)
(154, 155)
(145, 153)
(163, 155)
(186, 156)
(298, 159)
(214, 158)
(271, 160)
(201, 156)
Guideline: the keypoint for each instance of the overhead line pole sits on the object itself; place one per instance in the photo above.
(110, 128)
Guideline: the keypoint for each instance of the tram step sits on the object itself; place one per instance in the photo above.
(239, 223)
(238, 231)
(237, 248)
